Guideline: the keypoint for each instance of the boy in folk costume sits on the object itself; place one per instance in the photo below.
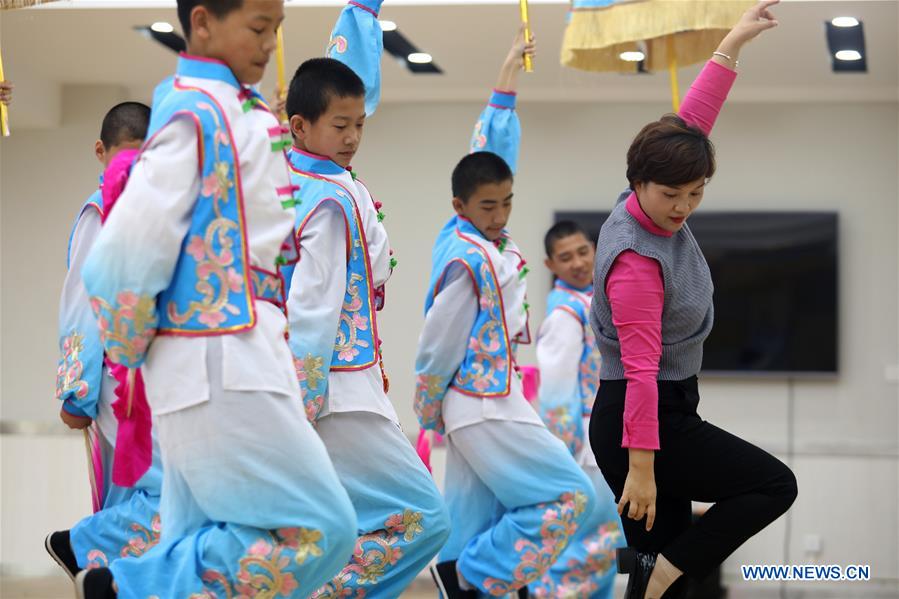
(569, 376)
(515, 494)
(334, 293)
(184, 280)
(126, 520)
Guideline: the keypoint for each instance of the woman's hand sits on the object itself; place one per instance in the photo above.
(753, 22)
(640, 487)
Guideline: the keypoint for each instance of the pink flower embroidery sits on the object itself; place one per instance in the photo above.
(196, 248)
(212, 319)
(260, 548)
(235, 281)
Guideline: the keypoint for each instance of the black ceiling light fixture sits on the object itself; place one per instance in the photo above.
(399, 46)
(163, 33)
(846, 42)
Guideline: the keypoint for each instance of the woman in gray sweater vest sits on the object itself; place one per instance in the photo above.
(652, 309)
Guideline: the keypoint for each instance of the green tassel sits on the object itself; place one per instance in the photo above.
(290, 203)
(393, 263)
(380, 216)
(527, 306)
(353, 175)
(278, 146)
(524, 272)
(280, 261)
(248, 104)
(502, 245)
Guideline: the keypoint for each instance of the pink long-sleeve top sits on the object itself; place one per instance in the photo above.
(635, 287)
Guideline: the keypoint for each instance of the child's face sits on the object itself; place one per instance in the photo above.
(488, 208)
(669, 207)
(337, 133)
(105, 155)
(572, 260)
(244, 39)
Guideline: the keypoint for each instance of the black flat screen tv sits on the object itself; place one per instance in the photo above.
(776, 290)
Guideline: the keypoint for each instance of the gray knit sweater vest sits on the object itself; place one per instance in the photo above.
(688, 312)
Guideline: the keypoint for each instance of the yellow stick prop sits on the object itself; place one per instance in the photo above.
(672, 71)
(528, 63)
(95, 492)
(4, 112)
(282, 85)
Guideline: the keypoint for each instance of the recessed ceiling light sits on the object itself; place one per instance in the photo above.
(387, 25)
(848, 55)
(845, 22)
(420, 58)
(162, 27)
(632, 56)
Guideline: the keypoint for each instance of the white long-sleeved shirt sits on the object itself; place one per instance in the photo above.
(447, 329)
(318, 289)
(153, 216)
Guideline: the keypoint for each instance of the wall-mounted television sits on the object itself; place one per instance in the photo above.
(776, 290)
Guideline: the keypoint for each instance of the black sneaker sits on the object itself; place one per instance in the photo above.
(94, 584)
(523, 593)
(447, 581)
(59, 547)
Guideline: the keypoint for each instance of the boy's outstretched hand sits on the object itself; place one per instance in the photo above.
(6, 88)
(514, 63)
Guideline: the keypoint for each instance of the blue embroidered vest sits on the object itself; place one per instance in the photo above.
(577, 302)
(211, 289)
(95, 202)
(486, 370)
(356, 344)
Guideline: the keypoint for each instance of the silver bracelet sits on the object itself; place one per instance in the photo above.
(736, 63)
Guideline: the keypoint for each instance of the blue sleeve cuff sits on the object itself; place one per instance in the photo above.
(74, 410)
(372, 6)
(502, 99)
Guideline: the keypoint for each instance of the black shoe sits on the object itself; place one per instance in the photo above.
(638, 566)
(94, 584)
(59, 547)
(523, 593)
(447, 581)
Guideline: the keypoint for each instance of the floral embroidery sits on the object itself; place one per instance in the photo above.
(145, 539)
(213, 251)
(70, 369)
(478, 139)
(428, 404)
(375, 553)
(263, 571)
(589, 370)
(559, 523)
(310, 373)
(486, 366)
(96, 559)
(266, 286)
(351, 322)
(338, 45)
(582, 578)
(563, 424)
(126, 329)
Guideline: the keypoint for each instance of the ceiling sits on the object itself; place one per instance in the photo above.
(46, 48)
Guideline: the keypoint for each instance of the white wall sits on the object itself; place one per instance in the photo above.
(820, 156)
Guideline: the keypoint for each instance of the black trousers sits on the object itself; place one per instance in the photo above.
(697, 461)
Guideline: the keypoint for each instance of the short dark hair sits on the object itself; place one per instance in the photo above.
(561, 230)
(127, 121)
(219, 8)
(476, 169)
(670, 152)
(316, 82)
